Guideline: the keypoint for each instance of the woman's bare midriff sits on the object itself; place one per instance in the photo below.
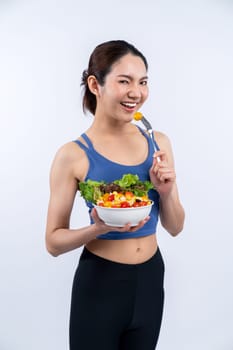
(126, 251)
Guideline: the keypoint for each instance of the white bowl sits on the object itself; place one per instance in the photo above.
(121, 216)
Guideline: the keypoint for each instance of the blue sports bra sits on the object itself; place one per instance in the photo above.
(101, 168)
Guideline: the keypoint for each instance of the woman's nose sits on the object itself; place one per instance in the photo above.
(134, 91)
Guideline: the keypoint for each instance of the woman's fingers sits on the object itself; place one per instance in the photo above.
(165, 173)
(161, 170)
(140, 224)
(94, 215)
(161, 155)
(130, 228)
(166, 177)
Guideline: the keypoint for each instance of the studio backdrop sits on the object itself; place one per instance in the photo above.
(44, 47)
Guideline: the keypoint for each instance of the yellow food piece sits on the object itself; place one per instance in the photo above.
(108, 204)
(105, 197)
(137, 116)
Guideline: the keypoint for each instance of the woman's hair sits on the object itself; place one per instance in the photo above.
(100, 64)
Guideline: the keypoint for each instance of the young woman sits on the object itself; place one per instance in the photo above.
(117, 295)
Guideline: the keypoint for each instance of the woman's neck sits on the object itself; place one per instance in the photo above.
(110, 126)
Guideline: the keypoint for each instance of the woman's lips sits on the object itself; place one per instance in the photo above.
(129, 106)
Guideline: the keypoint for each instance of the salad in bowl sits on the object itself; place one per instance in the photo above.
(120, 202)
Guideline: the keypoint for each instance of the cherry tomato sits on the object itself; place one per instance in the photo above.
(111, 197)
(143, 203)
(129, 195)
(125, 205)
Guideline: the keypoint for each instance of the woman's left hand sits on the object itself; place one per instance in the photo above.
(161, 174)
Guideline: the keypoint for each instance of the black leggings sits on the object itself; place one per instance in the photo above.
(116, 306)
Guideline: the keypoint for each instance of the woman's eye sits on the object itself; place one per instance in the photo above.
(144, 82)
(124, 81)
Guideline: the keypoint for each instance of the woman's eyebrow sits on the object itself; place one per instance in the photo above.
(130, 77)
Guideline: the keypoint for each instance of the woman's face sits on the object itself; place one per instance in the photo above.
(125, 89)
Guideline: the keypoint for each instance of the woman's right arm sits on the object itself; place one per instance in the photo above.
(69, 166)
(63, 187)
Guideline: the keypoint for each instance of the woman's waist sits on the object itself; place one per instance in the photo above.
(127, 251)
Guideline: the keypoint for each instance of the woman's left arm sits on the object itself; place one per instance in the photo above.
(163, 177)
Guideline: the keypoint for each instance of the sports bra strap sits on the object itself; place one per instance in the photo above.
(90, 145)
(88, 141)
(82, 145)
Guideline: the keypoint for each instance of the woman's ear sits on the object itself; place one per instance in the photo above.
(93, 84)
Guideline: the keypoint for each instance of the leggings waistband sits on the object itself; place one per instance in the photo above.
(87, 254)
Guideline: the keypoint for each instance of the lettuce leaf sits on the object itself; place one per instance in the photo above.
(127, 180)
(132, 183)
(92, 190)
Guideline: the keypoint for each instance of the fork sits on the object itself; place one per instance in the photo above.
(148, 127)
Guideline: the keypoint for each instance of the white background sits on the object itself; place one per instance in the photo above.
(45, 45)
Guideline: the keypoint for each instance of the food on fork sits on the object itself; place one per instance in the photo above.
(137, 116)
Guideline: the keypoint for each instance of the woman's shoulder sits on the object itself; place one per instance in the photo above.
(68, 155)
(68, 152)
(71, 159)
(162, 139)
